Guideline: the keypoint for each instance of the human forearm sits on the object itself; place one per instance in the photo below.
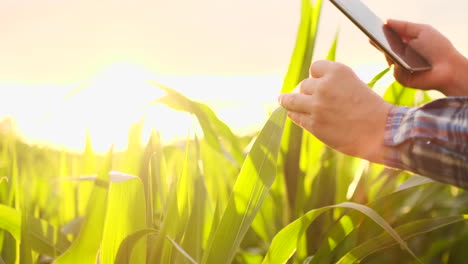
(431, 160)
(458, 83)
(431, 140)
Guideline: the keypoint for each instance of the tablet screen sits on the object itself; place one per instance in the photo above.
(388, 40)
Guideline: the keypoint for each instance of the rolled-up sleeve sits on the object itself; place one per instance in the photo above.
(431, 140)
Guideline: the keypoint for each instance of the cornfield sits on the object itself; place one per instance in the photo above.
(279, 196)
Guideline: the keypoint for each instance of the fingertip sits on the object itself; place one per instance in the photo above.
(280, 98)
(319, 68)
(390, 21)
(393, 22)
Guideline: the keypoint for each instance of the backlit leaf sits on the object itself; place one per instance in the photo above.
(251, 188)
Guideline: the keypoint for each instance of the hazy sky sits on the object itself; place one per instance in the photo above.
(231, 54)
(57, 41)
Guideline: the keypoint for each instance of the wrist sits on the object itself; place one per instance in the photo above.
(458, 83)
(379, 123)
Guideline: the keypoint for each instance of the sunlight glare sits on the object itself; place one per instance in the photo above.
(107, 105)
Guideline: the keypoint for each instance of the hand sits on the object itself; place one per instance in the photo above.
(340, 110)
(449, 72)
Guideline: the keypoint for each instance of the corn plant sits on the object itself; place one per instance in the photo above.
(277, 196)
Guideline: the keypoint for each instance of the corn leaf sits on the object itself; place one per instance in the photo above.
(251, 188)
(298, 70)
(341, 234)
(413, 182)
(332, 52)
(285, 243)
(85, 248)
(133, 153)
(213, 128)
(376, 78)
(305, 43)
(317, 188)
(182, 251)
(126, 247)
(42, 237)
(179, 208)
(126, 213)
(293, 135)
(405, 231)
(10, 220)
(192, 242)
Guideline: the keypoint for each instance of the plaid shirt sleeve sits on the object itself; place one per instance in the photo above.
(431, 140)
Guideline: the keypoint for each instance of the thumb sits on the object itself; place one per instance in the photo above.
(405, 29)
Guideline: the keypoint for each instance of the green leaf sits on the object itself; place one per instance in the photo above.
(251, 188)
(195, 230)
(148, 173)
(126, 247)
(298, 70)
(332, 52)
(400, 95)
(305, 43)
(215, 131)
(413, 182)
(126, 213)
(350, 222)
(379, 76)
(87, 167)
(85, 248)
(405, 231)
(285, 243)
(179, 209)
(10, 220)
(42, 237)
(133, 153)
(181, 250)
(45, 238)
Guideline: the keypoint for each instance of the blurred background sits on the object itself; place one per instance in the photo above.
(67, 67)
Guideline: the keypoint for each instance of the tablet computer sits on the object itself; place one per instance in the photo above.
(382, 35)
